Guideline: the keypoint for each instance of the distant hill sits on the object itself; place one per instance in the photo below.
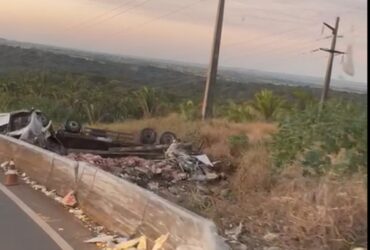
(181, 79)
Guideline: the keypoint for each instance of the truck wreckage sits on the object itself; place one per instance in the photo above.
(138, 157)
(172, 170)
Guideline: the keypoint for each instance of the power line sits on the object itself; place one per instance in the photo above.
(270, 35)
(86, 21)
(274, 19)
(283, 61)
(261, 44)
(269, 42)
(167, 14)
(117, 14)
(274, 12)
(276, 51)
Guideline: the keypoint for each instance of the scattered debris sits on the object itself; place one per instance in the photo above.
(70, 199)
(164, 168)
(272, 248)
(270, 237)
(102, 238)
(127, 244)
(109, 242)
(177, 154)
(234, 233)
(204, 159)
(158, 243)
(178, 166)
(4, 165)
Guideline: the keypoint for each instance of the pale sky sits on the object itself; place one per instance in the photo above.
(271, 35)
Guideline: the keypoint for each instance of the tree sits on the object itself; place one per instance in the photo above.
(239, 112)
(267, 104)
(148, 100)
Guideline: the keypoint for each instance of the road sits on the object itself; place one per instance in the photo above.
(30, 220)
(19, 231)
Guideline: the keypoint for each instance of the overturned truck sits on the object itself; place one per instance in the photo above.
(111, 190)
(34, 127)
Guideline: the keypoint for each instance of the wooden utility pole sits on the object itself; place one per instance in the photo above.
(207, 107)
(332, 51)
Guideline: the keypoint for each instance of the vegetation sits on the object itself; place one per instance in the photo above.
(267, 104)
(298, 173)
(324, 211)
(335, 140)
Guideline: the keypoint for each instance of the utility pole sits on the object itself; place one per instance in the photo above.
(207, 106)
(332, 51)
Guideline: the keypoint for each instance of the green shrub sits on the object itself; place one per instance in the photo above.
(310, 139)
(267, 104)
(189, 111)
(238, 112)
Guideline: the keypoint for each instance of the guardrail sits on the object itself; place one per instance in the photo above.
(113, 202)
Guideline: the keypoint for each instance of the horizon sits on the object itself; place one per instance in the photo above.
(184, 62)
(267, 35)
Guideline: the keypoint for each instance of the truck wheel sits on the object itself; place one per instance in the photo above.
(167, 138)
(72, 126)
(148, 136)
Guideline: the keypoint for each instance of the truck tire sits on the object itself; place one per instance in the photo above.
(72, 126)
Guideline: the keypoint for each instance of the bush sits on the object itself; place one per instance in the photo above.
(238, 112)
(316, 140)
(189, 111)
(267, 104)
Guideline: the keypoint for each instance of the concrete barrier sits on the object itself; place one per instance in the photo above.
(113, 202)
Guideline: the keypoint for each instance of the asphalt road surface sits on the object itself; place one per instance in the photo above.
(29, 220)
(18, 231)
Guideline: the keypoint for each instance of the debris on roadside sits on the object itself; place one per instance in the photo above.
(77, 212)
(167, 166)
(178, 165)
(158, 243)
(234, 233)
(108, 242)
(102, 238)
(270, 236)
(70, 199)
(4, 165)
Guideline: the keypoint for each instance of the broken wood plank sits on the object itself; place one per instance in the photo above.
(144, 148)
(106, 153)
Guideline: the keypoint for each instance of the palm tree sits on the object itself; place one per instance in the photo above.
(239, 112)
(267, 104)
(148, 101)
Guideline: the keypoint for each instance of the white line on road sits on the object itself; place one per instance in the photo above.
(37, 219)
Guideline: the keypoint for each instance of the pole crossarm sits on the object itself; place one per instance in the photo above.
(332, 51)
(330, 27)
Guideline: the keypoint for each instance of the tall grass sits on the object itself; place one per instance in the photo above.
(305, 212)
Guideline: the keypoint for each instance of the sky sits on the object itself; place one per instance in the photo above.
(268, 35)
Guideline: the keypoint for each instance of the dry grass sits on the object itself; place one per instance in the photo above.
(253, 172)
(213, 135)
(304, 212)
